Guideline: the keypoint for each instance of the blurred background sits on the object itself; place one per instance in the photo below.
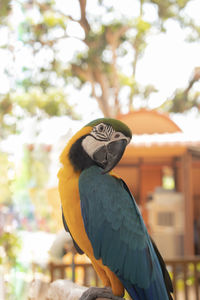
(64, 63)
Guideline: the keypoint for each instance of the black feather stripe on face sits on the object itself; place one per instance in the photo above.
(78, 157)
(102, 132)
(117, 125)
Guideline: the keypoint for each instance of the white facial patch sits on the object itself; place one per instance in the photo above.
(101, 135)
(90, 145)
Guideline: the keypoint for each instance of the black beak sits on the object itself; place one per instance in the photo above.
(109, 155)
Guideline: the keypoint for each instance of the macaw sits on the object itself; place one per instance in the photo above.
(102, 216)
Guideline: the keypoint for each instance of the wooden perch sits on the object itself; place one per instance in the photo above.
(64, 290)
(57, 290)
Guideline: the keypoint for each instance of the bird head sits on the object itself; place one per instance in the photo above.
(101, 142)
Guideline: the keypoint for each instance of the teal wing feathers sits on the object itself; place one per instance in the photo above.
(115, 228)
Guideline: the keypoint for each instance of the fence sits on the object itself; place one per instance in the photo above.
(185, 274)
(89, 276)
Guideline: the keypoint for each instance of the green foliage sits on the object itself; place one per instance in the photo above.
(53, 19)
(33, 174)
(185, 99)
(142, 26)
(45, 28)
(6, 127)
(6, 178)
(169, 9)
(52, 103)
(35, 102)
(10, 246)
(30, 188)
(127, 80)
(4, 9)
(182, 102)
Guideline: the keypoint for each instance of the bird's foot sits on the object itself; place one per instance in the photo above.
(96, 292)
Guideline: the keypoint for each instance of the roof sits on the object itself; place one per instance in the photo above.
(149, 122)
(164, 139)
(162, 145)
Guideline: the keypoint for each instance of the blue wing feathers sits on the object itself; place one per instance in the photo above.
(118, 235)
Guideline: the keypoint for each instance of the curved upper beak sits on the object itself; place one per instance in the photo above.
(110, 154)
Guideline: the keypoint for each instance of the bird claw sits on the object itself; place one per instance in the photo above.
(95, 292)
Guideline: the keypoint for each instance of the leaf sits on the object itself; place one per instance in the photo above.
(52, 19)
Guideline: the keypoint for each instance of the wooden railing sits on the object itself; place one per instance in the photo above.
(89, 276)
(185, 274)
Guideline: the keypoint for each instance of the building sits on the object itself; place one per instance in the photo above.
(160, 158)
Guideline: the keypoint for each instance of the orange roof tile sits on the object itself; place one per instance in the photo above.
(146, 121)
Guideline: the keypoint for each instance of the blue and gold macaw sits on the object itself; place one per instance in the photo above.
(102, 216)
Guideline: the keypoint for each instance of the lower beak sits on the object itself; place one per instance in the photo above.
(109, 155)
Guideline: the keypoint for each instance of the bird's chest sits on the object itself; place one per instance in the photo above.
(71, 205)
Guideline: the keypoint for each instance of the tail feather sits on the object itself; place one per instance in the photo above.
(166, 277)
(151, 293)
(155, 291)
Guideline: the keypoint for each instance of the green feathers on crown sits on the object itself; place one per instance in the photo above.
(116, 124)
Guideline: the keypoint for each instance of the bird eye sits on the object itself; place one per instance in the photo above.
(101, 128)
(117, 135)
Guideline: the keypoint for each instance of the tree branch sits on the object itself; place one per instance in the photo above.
(104, 99)
(115, 78)
(83, 21)
(85, 74)
(113, 38)
(195, 77)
